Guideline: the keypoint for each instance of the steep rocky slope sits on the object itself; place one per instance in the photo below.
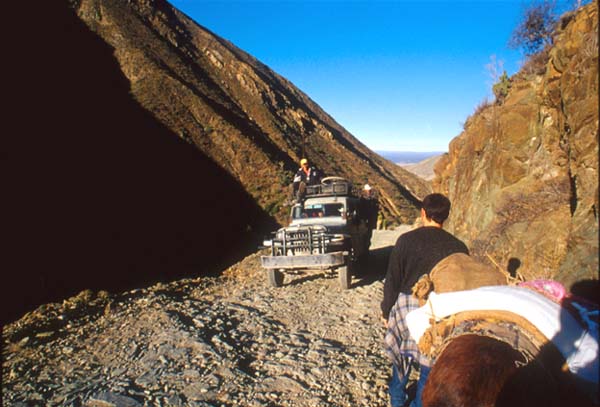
(251, 121)
(97, 193)
(523, 175)
(141, 148)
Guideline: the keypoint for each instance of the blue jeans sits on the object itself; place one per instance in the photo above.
(398, 383)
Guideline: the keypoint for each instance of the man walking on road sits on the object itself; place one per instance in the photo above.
(414, 255)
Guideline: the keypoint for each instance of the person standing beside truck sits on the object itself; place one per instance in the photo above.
(369, 209)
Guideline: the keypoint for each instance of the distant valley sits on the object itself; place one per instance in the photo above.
(419, 163)
(407, 157)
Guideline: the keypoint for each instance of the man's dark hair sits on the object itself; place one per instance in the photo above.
(437, 207)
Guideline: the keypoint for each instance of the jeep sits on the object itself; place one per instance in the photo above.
(326, 232)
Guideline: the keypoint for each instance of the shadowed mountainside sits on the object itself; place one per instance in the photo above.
(100, 194)
(249, 120)
(523, 176)
(142, 147)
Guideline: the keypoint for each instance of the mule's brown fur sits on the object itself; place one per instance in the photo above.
(479, 371)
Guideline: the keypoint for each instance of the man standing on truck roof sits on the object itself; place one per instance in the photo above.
(306, 175)
(414, 255)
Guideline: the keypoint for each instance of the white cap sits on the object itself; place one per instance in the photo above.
(367, 187)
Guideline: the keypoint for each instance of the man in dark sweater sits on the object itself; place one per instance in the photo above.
(418, 251)
(415, 254)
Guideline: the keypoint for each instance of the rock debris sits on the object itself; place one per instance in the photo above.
(226, 341)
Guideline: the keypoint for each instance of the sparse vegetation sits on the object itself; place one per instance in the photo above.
(479, 109)
(502, 87)
(285, 176)
(501, 83)
(272, 208)
(534, 33)
(536, 64)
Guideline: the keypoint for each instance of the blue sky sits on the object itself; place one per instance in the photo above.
(398, 75)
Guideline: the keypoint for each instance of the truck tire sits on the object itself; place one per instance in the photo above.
(345, 276)
(275, 277)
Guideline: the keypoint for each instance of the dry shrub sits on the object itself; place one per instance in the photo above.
(484, 104)
(534, 32)
(536, 63)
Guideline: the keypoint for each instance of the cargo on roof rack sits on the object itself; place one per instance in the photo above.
(330, 186)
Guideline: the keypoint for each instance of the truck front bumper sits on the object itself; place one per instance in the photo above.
(326, 260)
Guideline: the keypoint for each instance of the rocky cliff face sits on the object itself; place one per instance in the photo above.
(523, 176)
(249, 120)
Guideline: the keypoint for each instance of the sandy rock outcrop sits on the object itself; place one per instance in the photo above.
(523, 176)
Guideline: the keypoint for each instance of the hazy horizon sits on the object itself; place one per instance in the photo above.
(407, 157)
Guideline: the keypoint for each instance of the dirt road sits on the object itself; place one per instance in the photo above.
(228, 341)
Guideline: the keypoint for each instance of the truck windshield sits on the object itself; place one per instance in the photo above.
(319, 211)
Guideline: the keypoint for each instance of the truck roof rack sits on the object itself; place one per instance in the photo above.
(330, 186)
